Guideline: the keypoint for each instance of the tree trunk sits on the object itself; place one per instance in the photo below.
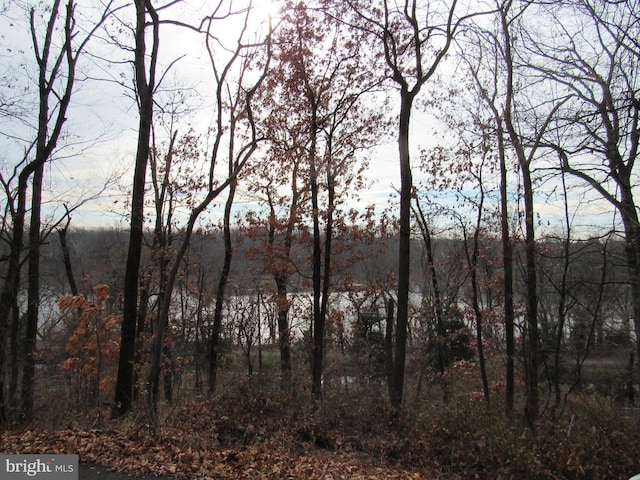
(531, 356)
(533, 342)
(46, 141)
(507, 251)
(473, 266)
(213, 191)
(562, 291)
(284, 342)
(507, 281)
(165, 303)
(628, 213)
(320, 320)
(404, 255)
(431, 268)
(144, 90)
(167, 380)
(281, 278)
(8, 300)
(66, 258)
(143, 310)
(33, 294)
(14, 374)
(479, 321)
(317, 349)
(220, 293)
(388, 345)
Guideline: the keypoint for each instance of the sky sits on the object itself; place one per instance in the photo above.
(96, 155)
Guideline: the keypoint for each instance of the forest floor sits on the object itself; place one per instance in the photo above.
(110, 455)
(88, 471)
(259, 435)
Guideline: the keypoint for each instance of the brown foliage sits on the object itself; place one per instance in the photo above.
(93, 346)
(250, 433)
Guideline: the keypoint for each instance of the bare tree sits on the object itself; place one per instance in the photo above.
(56, 79)
(145, 69)
(526, 147)
(252, 69)
(483, 63)
(414, 38)
(598, 134)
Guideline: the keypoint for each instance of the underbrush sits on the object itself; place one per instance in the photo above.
(594, 438)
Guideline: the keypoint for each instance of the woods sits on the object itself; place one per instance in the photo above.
(403, 207)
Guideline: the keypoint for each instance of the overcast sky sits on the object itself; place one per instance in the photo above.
(100, 136)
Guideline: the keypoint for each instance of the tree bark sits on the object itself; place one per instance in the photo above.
(388, 345)
(325, 276)
(562, 301)
(472, 261)
(404, 249)
(317, 349)
(144, 90)
(629, 216)
(533, 340)
(66, 258)
(33, 296)
(10, 290)
(532, 353)
(507, 272)
(220, 293)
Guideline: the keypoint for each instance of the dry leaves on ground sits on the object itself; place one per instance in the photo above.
(138, 454)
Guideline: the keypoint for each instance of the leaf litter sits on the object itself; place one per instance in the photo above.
(139, 454)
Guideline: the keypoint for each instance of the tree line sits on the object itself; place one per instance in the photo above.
(540, 104)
